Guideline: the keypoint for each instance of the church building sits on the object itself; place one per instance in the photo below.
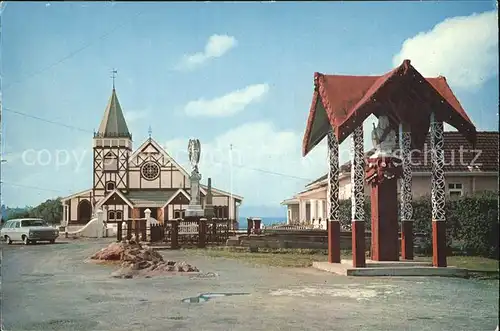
(126, 182)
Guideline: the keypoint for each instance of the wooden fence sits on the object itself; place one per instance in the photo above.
(193, 232)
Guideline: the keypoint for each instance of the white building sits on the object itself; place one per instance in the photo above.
(468, 170)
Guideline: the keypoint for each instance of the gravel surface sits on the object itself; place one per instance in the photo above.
(49, 287)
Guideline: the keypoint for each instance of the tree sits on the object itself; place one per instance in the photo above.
(50, 211)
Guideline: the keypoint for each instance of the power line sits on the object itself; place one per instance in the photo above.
(73, 53)
(46, 120)
(90, 131)
(38, 188)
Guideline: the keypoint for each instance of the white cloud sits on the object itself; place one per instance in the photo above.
(268, 166)
(228, 104)
(463, 49)
(217, 45)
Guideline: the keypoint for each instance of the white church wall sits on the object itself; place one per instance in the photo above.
(166, 179)
(178, 179)
(134, 179)
(150, 183)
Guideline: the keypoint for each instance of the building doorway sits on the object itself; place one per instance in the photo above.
(84, 211)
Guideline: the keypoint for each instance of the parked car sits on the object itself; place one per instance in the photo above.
(28, 230)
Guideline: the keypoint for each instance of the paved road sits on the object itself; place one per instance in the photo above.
(47, 287)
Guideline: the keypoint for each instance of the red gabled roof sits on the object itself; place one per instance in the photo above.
(343, 102)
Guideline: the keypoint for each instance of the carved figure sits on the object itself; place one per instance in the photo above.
(383, 137)
(194, 150)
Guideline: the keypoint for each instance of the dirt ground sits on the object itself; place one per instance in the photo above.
(48, 287)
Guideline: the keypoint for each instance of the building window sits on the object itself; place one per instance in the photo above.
(179, 213)
(118, 215)
(110, 162)
(150, 170)
(455, 190)
(111, 215)
(110, 186)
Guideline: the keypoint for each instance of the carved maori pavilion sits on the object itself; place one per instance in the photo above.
(409, 104)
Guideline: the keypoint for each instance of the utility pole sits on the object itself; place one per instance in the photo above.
(231, 181)
(2, 7)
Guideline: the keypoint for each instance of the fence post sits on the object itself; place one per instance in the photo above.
(175, 234)
(137, 224)
(202, 231)
(129, 229)
(119, 231)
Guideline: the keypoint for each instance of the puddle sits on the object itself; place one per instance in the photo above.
(208, 296)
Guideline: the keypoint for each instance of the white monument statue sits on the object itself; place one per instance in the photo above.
(194, 208)
(383, 138)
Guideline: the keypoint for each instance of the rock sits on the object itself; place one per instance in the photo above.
(138, 260)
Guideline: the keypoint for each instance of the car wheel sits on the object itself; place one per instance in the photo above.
(8, 240)
(26, 241)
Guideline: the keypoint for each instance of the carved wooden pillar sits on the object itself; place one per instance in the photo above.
(332, 199)
(357, 198)
(438, 194)
(406, 194)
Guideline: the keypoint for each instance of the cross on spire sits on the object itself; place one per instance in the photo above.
(150, 131)
(113, 76)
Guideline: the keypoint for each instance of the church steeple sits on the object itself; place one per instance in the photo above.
(113, 124)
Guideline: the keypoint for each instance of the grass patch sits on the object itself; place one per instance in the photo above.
(292, 258)
(297, 258)
(475, 264)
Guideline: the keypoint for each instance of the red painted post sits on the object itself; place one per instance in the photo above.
(257, 223)
(249, 226)
(333, 228)
(358, 244)
(439, 244)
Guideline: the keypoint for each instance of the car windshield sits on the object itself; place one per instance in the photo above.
(33, 223)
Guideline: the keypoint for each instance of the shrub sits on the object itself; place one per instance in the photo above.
(472, 224)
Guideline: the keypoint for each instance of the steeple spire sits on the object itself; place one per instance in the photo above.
(113, 76)
(150, 132)
(113, 124)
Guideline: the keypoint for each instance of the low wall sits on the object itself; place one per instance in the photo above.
(305, 239)
(315, 239)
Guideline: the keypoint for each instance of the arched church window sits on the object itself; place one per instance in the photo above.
(150, 170)
(110, 186)
(110, 162)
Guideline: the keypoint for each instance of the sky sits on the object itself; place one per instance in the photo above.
(237, 74)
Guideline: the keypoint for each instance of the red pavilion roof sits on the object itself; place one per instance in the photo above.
(344, 102)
